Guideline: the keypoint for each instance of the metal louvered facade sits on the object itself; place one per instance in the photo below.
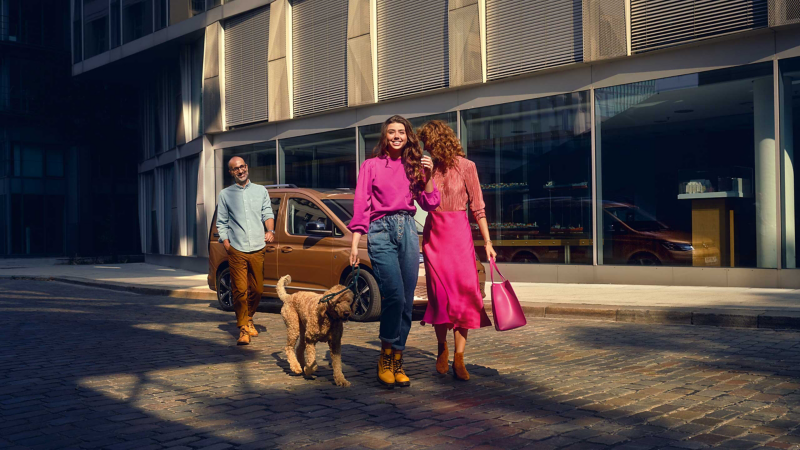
(319, 29)
(658, 24)
(246, 38)
(412, 47)
(528, 35)
(604, 29)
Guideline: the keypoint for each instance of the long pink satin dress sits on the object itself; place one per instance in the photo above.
(454, 297)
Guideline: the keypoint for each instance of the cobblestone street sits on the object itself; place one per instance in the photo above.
(90, 368)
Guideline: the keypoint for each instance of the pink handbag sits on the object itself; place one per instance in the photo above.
(506, 309)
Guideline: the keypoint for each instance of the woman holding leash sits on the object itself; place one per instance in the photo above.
(454, 297)
(384, 210)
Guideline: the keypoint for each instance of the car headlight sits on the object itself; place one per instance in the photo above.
(677, 246)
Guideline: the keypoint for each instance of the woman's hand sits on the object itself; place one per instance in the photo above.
(354, 259)
(427, 165)
(490, 253)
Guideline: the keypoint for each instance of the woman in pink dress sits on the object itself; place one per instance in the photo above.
(454, 298)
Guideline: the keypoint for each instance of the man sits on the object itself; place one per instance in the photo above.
(245, 221)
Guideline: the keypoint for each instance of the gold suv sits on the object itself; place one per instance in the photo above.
(312, 244)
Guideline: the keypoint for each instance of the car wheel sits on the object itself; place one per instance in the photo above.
(367, 301)
(644, 259)
(225, 290)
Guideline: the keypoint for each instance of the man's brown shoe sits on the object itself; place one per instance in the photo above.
(251, 329)
(244, 336)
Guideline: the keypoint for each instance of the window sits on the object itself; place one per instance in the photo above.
(686, 170)
(260, 160)
(192, 167)
(95, 27)
(116, 37)
(160, 14)
(534, 164)
(77, 31)
(305, 218)
(343, 208)
(137, 19)
(790, 169)
(324, 160)
(369, 135)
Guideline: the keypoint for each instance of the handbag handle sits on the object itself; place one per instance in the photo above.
(492, 268)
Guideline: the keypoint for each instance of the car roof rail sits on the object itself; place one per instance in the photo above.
(275, 186)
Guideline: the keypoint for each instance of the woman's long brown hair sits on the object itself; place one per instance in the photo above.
(442, 143)
(411, 154)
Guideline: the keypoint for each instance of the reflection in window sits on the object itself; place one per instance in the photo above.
(790, 127)
(137, 19)
(116, 37)
(369, 135)
(260, 160)
(324, 160)
(160, 13)
(534, 165)
(192, 167)
(95, 27)
(678, 171)
(77, 34)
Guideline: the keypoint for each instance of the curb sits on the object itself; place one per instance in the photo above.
(145, 290)
(728, 318)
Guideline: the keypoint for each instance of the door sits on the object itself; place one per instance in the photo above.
(306, 244)
(271, 250)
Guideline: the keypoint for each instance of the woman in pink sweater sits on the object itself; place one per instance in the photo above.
(384, 211)
(454, 298)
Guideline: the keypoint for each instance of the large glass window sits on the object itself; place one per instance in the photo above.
(686, 170)
(369, 135)
(534, 164)
(137, 19)
(160, 14)
(95, 27)
(324, 160)
(260, 160)
(790, 127)
(116, 37)
(192, 168)
(77, 33)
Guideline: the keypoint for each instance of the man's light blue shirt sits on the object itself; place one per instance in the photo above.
(241, 213)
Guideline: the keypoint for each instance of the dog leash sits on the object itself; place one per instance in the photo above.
(353, 284)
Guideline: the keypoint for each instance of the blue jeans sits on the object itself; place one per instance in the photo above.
(393, 246)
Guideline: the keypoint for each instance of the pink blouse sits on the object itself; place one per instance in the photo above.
(460, 186)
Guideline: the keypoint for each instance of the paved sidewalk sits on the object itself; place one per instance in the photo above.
(737, 307)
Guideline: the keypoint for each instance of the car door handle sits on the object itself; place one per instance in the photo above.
(286, 249)
(270, 248)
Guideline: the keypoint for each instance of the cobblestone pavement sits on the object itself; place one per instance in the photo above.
(90, 368)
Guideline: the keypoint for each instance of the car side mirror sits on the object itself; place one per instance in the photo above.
(317, 228)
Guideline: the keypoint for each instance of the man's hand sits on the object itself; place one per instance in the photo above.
(269, 236)
(227, 244)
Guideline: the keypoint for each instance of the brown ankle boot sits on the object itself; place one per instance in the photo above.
(459, 370)
(442, 361)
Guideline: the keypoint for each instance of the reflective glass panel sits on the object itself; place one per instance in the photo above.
(95, 27)
(324, 160)
(686, 170)
(534, 165)
(790, 126)
(137, 19)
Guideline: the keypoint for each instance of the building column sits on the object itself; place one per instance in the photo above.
(279, 65)
(787, 168)
(466, 40)
(213, 120)
(362, 75)
(206, 186)
(765, 183)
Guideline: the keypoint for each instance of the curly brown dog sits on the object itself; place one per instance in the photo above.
(310, 321)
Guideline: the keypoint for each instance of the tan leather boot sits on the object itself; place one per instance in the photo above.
(443, 361)
(459, 370)
(251, 328)
(244, 336)
(386, 368)
(400, 378)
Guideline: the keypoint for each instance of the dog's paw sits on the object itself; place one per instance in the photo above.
(341, 382)
(309, 371)
(295, 368)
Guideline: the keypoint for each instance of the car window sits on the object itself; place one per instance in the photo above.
(343, 208)
(301, 212)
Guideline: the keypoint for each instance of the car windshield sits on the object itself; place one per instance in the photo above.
(343, 208)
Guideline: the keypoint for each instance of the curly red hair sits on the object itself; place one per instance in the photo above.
(442, 143)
